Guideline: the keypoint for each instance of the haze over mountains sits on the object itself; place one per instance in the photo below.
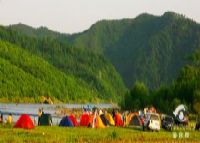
(90, 66)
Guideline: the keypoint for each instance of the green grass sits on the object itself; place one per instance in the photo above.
(57, 134)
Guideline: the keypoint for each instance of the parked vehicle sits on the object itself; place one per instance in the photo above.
(152, 122)
(168, 123)
(197, 127)
(180, 115)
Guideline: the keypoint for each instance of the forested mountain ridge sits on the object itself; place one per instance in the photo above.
(151, 49)
(24, 75)
(36, 32)
(97, 77)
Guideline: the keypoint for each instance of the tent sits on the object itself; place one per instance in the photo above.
(66, 121)
(180, 115)
(125, 119)
(24, 122)
(73, 119)
(99, 123)
(91, 120)
(45, 120)
(135, 121)
(104, 120)
(118, 119)
(96, 121)
(110, 119)
(84, 120)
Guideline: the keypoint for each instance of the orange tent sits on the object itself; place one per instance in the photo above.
(130, 116)
(91, 119)
(24, 122)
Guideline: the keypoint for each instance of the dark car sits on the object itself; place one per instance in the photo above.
(197, 127)
(168, 123)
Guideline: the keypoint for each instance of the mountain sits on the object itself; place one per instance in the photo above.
(35, 32)
(36, 64)
(150, 49)
(26, 75)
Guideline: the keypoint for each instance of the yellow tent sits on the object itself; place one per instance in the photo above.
(110, 119)
(99, 123)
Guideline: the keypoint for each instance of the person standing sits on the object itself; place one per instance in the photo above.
(40, 112)
(9, 119)
(1, 118)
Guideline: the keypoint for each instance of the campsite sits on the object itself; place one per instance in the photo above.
(92, 125)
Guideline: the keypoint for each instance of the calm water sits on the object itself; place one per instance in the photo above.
(32, 109)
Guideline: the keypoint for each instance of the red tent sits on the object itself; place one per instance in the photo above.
(118, 120)
(85, 119)
(73, 119)
(24, 122)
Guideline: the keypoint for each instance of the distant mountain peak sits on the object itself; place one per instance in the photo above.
(174, 15)
(20, 25)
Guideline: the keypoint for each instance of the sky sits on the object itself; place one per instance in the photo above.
(72, 16)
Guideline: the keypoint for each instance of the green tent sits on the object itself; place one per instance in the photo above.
(45, 120)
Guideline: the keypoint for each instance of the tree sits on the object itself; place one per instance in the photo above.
(137, 98)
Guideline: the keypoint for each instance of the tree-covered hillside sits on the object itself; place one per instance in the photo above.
(148, 52)
(151, 49)
(92, 77)
(26, 75)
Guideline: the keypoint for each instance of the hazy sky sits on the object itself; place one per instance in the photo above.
(71, 16)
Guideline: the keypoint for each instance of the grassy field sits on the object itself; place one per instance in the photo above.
(57, 134)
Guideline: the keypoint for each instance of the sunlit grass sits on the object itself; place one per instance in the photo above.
(57, 134)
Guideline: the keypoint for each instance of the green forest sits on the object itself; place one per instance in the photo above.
(185, 89)
(145, 61)
(46, 66)
(150, 49)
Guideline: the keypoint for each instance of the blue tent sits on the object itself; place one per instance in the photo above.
(66, 121)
